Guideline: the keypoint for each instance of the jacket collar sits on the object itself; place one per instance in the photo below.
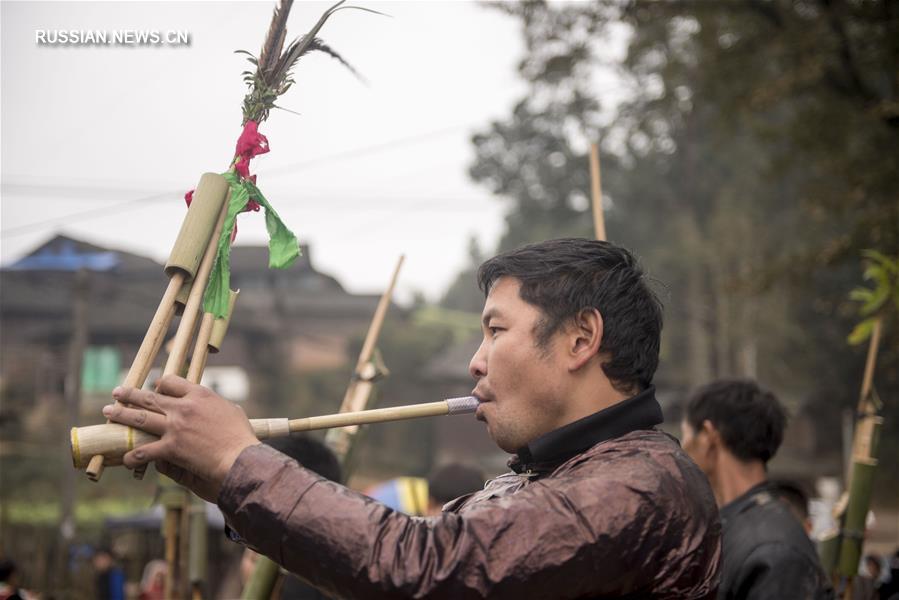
(637, 412)
(757, 495)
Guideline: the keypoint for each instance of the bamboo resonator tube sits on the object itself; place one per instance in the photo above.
(195, 236)
(112, 440)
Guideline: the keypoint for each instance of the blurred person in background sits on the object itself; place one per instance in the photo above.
(152, 582)
(450, 482)
(9, 582)
(732, 428)
(890, 588)
(109, 577)
(796, 499)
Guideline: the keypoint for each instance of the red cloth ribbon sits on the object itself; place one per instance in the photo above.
(250, 144)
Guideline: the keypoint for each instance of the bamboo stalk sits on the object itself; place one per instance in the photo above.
(599, 223)
(864, 463)
(870, 362)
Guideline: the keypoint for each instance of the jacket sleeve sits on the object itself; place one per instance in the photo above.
(776, 570)
(538, 542)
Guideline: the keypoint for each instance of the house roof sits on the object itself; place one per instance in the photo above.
(125, 293)
(60, 253)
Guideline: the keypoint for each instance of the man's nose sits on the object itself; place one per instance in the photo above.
(477, 367)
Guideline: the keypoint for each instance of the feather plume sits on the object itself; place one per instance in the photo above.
(277, 34)
(272, 76)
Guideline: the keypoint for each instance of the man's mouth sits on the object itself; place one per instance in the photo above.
(482, 400)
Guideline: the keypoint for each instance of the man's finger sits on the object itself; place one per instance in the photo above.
(174, 386)
(145, 454)
(141, 418)
(142, 398)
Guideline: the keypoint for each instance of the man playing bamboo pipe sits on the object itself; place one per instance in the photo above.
(598, 503)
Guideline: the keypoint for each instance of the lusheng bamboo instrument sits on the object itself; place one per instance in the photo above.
(113, 440)
(196, 234)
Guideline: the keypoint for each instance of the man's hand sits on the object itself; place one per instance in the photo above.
(201, 433)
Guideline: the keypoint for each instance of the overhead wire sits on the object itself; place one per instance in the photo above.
(137, 203)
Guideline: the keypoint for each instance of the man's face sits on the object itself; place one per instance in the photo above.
(521, 386)
(696, 444)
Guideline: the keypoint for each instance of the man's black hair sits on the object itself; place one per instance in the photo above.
(453, 480)
(310, 453)
(7, 569)
(793, 494)
(565, 276)
(750, 419)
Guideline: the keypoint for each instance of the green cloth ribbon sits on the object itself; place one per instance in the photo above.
(283, 248)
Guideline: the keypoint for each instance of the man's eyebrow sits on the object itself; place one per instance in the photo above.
(489, 314)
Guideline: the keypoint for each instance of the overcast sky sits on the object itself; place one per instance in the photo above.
(100, 141)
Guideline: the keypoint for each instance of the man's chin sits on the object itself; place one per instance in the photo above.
(504, 443)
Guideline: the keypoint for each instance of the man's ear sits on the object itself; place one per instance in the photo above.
(585, 337)
(712, 434)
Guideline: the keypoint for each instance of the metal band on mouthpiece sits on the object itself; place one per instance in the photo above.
(460, 406)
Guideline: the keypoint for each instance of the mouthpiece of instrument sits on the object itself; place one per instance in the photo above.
(461, 406)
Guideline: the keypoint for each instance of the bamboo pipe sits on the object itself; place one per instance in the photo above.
(187, 325)
(209, 339)
(195, 230)
(201, 349)
(194, 300)
(114, 440)
(599, 222)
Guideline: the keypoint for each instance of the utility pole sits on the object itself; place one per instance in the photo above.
(72, 396)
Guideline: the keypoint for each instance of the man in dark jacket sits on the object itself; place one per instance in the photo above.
(599, 503)
(732, 428)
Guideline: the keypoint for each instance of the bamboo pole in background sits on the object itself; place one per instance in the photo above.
(359, 390)
(864, 463)
(599, 222)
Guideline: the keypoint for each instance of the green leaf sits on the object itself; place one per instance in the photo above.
(877, 257)
(861, 294)
(877, 299)
(862, 331)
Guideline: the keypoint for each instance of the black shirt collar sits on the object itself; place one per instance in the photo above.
(637, 412)
(757, 495)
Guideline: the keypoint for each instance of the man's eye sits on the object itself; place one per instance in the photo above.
(494, 330)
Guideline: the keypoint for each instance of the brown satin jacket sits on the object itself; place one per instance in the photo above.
(605, 507)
